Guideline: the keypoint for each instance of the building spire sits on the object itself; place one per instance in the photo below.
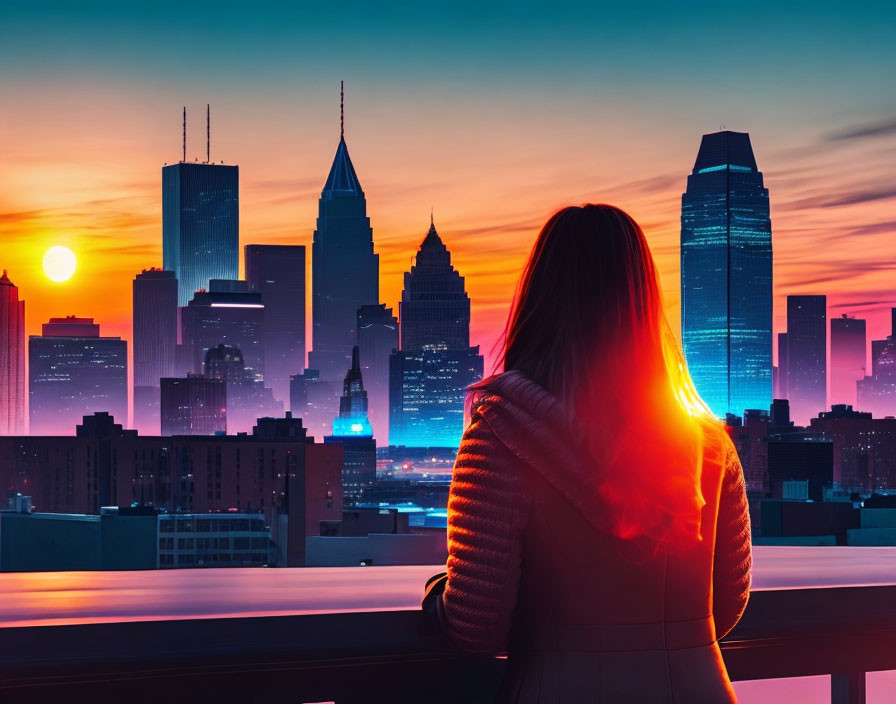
(208, 134)
(185, 134)
(341, 109)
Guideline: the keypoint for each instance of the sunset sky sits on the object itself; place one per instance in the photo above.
(494, 117)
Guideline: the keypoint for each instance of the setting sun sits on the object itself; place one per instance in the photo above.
(59, 263)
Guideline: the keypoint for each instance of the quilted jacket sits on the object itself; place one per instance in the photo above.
(583, 616)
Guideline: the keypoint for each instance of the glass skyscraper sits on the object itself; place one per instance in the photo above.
(200, 224)
(726, 276)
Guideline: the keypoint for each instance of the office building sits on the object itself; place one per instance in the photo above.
(726, 276)
(195, 405)
(801, 459)
(434, 307)
(806, 356)
(428, 376)
(848, 354)
(228, 313)
(345, 269)
(155, 342)
(74, 372)
(12, 359)
(877, 392)
(277, 471)
(278, 273)
(377, 340)
(200, 225)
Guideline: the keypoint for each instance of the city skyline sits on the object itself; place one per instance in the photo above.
(463, 143)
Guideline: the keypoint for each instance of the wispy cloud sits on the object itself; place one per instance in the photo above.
(884, 128)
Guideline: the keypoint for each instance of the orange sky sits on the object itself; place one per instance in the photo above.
(87, 174)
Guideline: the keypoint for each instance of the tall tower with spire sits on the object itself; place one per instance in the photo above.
(12, 359)
(351, 429)
(345, 269)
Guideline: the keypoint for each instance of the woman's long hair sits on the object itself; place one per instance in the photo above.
(588, 325)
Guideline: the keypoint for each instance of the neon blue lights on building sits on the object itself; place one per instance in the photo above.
(726, 276)
(352, 427)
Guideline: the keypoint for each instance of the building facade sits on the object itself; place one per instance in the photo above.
(12, 359)
(200, 225)
(849, 350)
(877, 392)
(806, 356)
(726, 276)
(269, 472)
(377, 340)
(228, 313)
(155, 342)
(194, 405)
(278, 273)
(74, 372)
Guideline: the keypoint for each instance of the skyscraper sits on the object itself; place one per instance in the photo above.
(429, 375)
(278, 273)
(345, 270)
(73, 372)
(228, 313)
(352, 429)
(200, 224)
(848, 354)
(377, 340)
(434, 307)
(12, 359)
(155, 340)
(877, 392)
(726, 276)
(806, 356)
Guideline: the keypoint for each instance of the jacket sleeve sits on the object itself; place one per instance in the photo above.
(487, 513)
(733, 558)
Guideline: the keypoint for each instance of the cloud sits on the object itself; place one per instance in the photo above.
(834, 201)
(862, 131)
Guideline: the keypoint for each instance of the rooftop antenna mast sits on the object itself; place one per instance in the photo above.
(208, 134)
(185, 134)
(341, 109)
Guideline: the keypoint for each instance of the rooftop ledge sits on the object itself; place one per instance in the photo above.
(330, 634)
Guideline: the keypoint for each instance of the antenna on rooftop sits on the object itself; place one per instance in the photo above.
(185, 134)
(208, 134)
(341, 109)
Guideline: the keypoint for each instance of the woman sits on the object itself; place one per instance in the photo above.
(598, 528)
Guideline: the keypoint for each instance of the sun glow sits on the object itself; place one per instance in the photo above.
(59, 263)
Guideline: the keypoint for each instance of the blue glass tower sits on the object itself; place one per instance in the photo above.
(200, 224)
(726, 276)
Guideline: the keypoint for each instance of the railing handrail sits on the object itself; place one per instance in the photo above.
(843, 631)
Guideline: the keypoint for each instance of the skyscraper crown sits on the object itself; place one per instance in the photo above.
(721, 149)
(342, 178)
